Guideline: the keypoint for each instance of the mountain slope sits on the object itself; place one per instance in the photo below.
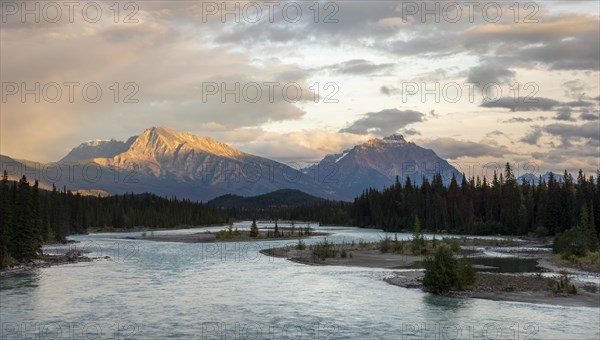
(170, 163)
(97, 149)
(283, 197)
(377, 162)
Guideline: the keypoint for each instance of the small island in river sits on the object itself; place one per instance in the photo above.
(539, 280)
(234, 235)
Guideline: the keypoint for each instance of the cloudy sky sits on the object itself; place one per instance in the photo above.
(478, 82)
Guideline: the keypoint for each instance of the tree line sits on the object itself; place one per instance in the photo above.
(31, 216)
(479, 206)
(475, 206)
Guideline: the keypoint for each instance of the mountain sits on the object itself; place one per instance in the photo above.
(535, 179)
(283, 197)
(168, 163)
(376, 163)
(97, 149)
(205, 167)
(171, 163)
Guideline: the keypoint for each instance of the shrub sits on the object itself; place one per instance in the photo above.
(570, 242)
(443, 272)
(323, 250)
(453, 243)
(386, 245)
(564, 285)
(435, 243)
(301, 245)
(466, 274)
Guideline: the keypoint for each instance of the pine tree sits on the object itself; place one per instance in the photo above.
(24, 245)
(253, 229)
(6, 209)
(589, 228)
(418, 241)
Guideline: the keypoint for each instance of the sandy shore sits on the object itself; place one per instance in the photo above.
(208, 237)
(530, 288)
(370, 258)
(510, 287)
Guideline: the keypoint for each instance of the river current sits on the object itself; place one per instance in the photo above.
(158, 290)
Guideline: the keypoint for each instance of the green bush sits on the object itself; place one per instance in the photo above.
(301, 245)
(443, 272)
(453, 243)
(323, 250)
(570, 242)
(386, 245)
(466, 274)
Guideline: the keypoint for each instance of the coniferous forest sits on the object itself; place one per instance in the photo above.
(31, 216)
(482, 206)
(479, 206)
(501, 205)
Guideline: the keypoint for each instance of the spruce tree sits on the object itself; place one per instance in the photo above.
(589, 228)
(253, 229)
(6, 209)
(24, 245)
(418, 241)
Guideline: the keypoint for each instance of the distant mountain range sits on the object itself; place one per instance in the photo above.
(170, 163)
(535, 179)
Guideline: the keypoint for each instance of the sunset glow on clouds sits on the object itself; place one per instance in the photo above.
(365, 70)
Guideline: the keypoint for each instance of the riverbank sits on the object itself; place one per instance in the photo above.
(146, 229)
(59, 257)
(541, 287)
(528, 288)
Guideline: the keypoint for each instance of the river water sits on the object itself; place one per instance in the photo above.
(158, 290)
